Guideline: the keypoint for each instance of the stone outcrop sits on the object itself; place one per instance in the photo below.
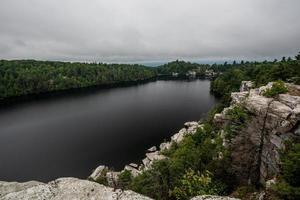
(272, 121)
(211, 197)
(64, 188)
(99, 172)
(246, 86)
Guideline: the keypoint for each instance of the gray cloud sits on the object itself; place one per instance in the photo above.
(143, 30)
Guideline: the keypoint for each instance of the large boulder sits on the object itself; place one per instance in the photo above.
(64, 188)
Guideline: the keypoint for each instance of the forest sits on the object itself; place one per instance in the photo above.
(287, 70)
(23, 77)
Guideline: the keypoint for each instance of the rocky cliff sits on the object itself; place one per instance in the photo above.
(256, 143)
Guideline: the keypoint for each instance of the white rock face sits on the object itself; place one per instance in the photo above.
(8, 187)
(238, 97)
(165, 146)
(246, 86)
(66, 189)
(271, 122)
(211, 197)
(112, 178)
(152, 149)
(134, 171)
(134, 165)
(98, 172)
(151, 157)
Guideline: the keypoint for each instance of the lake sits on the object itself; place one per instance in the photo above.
(71, 134)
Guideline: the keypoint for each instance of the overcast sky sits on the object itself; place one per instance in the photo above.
(148, 30)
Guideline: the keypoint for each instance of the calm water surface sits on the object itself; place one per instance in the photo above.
(72, 134)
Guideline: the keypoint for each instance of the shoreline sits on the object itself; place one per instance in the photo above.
(89, 89)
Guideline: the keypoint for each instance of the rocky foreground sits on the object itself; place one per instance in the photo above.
(64, 188)
(73, 189)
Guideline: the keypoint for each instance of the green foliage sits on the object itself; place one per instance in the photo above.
(199, 153)
(286, 191)
(182, 67)
(24, 77)
(259, 73)
(124, 179)
(278, 87)
(243, 192)
(216, 109)
(238, 115)
(291, 165)
(228, 82)
(193, 184)
(155, 182)
(288, 185)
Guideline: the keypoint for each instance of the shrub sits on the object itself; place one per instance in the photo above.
(243, 192)
(102, 178)
(193, 184)
(199, 153)
(278, 87)
(124, 179)
(238, 115)
(289, 182)
(155, 182)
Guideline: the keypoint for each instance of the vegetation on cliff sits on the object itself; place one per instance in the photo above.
(288, 186)
(198, 165)
(278, 87)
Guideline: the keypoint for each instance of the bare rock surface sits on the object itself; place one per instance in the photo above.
(211, 197)
(246, 86)
(64, 188)
(98, 172)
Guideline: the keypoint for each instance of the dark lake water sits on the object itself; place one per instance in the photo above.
(70, 135)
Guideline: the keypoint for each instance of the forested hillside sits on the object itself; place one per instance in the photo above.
(260, 73)
(24, 77)
(182, 67)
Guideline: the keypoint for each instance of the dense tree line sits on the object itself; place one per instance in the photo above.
(260, 73)
(182, 67)
(22, 77)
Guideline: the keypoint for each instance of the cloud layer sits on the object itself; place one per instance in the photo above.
(143, 30)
